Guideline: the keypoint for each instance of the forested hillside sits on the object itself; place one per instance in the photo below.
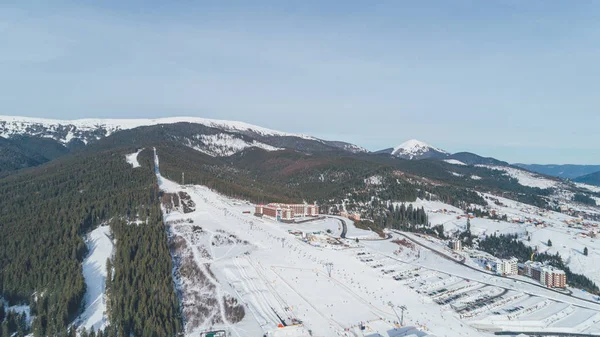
(23, 151)
(46, 211)
(44, 214)
(592, 179)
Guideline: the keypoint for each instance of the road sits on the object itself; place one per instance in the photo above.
(596, 304)
(344, 226)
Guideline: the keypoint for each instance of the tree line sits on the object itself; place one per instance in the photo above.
(44, 215)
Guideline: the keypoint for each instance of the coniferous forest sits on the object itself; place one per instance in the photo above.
(45, 213)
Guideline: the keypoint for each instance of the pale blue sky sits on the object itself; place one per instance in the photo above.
(517, 80)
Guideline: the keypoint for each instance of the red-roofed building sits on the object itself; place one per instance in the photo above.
(282, 212)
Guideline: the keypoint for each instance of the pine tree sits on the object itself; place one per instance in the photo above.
(5, 331)
(549, 243)
(585, 251)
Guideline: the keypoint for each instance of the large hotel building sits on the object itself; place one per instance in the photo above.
(287, 212)
(547, 275)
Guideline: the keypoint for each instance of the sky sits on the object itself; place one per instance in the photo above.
(516, 80)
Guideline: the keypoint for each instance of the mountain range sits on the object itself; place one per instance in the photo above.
(27, 142)
(59, 180)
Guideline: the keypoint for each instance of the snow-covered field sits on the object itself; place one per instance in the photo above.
(100, 248)
(228, 256)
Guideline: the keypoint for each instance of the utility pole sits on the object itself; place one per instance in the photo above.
(402, 307)
(329, 267)
(402, 320)
(392, 306)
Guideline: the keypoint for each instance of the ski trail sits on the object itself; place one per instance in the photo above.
(199, 261)
(255, 293)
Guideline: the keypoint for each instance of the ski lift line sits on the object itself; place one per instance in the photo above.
(282, 303)
(265, 299)
(374, 309)
(251, 289)
(328, 319)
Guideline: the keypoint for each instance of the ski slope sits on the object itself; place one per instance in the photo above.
(94, 272)
(278, 277)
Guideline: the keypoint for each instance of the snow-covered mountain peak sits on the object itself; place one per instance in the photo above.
(416, 149)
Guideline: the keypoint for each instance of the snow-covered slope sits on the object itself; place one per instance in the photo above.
(89, 130)
(132, 158)
(235, 257)
(525, 178)
(454, 162)
(224, 144)
(415, 149)
(10, 125)
(94, 272)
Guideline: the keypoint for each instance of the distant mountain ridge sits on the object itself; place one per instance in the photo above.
(236, 135)
(590, 179)
(474, 159)
(568, 171)
(218, 138)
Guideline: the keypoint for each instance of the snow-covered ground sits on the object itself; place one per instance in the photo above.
(16, 125)
(132, 158)
(100, 248)
(568, 242)
(224, 144)
(590, 188)
(277, 276)
(521, 306)
(525, 178)
(18, 309)
(455, 162)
